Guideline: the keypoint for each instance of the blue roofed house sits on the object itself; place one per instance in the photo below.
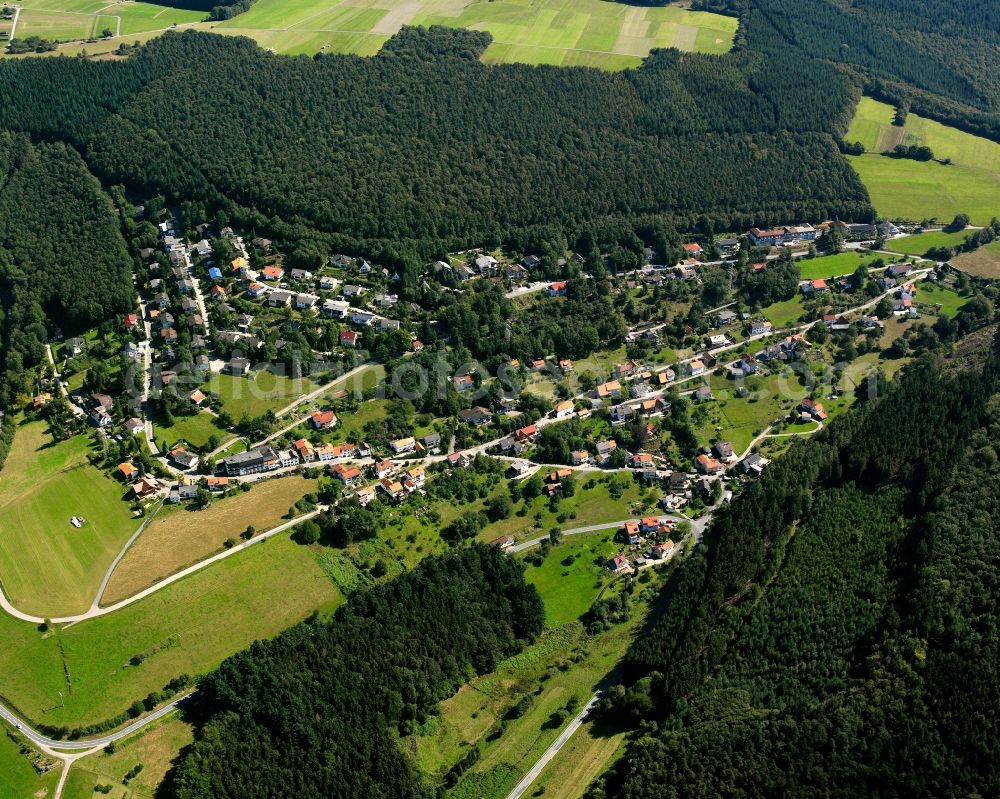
(215, 273)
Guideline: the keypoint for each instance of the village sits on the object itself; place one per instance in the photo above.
(218, 312)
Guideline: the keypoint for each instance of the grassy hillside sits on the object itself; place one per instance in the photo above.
(921, 190)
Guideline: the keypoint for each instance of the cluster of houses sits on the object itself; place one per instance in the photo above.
(648, 540)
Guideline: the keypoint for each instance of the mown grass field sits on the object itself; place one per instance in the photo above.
(47, 566)
(155, 748)
(180, 535)
(785, 313)
(82, 674)
(18, 777)
(919, 243)
(573, 575)
(592, 33)
(915, 190)
(949, 299)
(984, 262)
(828, 266)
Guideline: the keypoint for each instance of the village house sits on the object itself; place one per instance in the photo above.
(393, 489)
(708, 465)
(306, 301)
(463, 382)
(725, 317)
(365, 495)
(759, 327)
(402, 446)
(620, 414)
(703, 393)
(183, 459)
(640, 460)
(812, 409)
(557, 289)
(629, 534)
(476, 416)
(432, 443)
(323, 420)
(272, 273)
(692, 250)
(504, 542)
(348, 338)
(305, 450)
(527, 433)
(604, 450)
(724, 450)
(611, 389)
(564, 410)
(347, 474)
(579, 457)
(746, 365)
(619, 564)
(486, 265)
(754, 463)
(813, 286)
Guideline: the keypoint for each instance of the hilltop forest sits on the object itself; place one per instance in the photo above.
(837, 632)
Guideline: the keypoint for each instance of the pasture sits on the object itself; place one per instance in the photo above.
(180, 536)
(19, 778)
(47, 566)
(593, 33)
(193, 430)
(984, 262)
(908, 189)
(85, 673)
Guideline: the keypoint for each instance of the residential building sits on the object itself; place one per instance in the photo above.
(504, 542)
(579, 457)
(476, 416)
(183, 459)
(708, 465)
(348, 338)
(759, 327)
(323, 420)
(402, 446)
(611, 389)
(771, 236)
(692, 250)
(564, 410)
(557, 289)
(724, 450)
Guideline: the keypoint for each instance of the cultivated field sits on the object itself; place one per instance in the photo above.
(181, 535)
(560, 32)
(47, 566)
(85, 673)
(984, 262)
(70, 20)
(925, 190)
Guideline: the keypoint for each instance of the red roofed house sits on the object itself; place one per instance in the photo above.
(708, 464)
(813, 408)
(131, 320)
(272, 273)
(557, 289)
(619, 564)
(692, 249)
(526, 433)
(323, 420)
(348, 338)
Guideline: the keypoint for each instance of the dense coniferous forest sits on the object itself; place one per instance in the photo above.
(837, 633)
(424, 146)
(62, 256)
(940, 57)
(316, 712)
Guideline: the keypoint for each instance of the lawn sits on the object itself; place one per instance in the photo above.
(573, 575)
(740, 420)
(180, 535)
(593, 33)
(984, 262)
(828, 266)
(18, 776)
(920, 243)
(155, 749)
(903, 188)
(47, 566)
(194, 430)
(785, 313)
(265, 391)
(82, 674)
(352, 423)
(950, 300)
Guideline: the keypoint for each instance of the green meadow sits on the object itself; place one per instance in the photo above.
(48, 567)
(920, 243)
(902, 188)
